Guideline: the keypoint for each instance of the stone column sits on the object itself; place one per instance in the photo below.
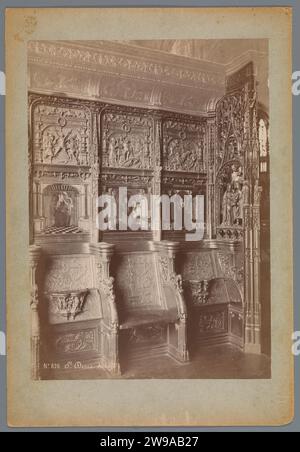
(252, 275)
(157, 173)
(34, 257)
(256, 305)
(210, 179)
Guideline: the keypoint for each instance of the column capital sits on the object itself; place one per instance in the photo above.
(102, 249)
(166, 246)
(35, 252)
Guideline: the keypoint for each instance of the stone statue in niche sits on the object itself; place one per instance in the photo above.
(237, 204)
(236, 174)
(63, 210)
(226, 207)
(234, 198)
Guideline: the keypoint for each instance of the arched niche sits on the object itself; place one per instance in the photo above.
(229, 192)
(61, 205)
(263, 141)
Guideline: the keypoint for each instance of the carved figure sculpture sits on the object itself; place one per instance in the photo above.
(226, 206)
(63, 210)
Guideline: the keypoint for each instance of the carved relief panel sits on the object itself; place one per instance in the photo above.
(76, 342)
(212, 322)
(135, 281)
(127, 140)
(232, 266)
(184, 146)
(68, 272)
(61, 134)
(234, 115)
(198, 266)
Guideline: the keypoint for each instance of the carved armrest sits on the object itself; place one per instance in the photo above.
(107, 293)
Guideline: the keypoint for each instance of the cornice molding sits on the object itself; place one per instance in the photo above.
(109, 57)
(119, 73)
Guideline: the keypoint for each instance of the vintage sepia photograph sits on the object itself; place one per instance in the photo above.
(149, 217)
(149, 209)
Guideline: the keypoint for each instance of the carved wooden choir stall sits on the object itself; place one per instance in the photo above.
(102, 299)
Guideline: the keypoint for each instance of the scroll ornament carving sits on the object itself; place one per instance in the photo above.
(92, 58)
(212, 322)
(176, 281)
(168, 276)
(107, 287)
(128, 179)
(76, 342)
(67, 305)
(176, 181)
(41, 171)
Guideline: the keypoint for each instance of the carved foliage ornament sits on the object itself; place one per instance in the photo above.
(76, 342)
(67, 305)
(94, 58)
(198, 266)
(168, 276)
(199, 291)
